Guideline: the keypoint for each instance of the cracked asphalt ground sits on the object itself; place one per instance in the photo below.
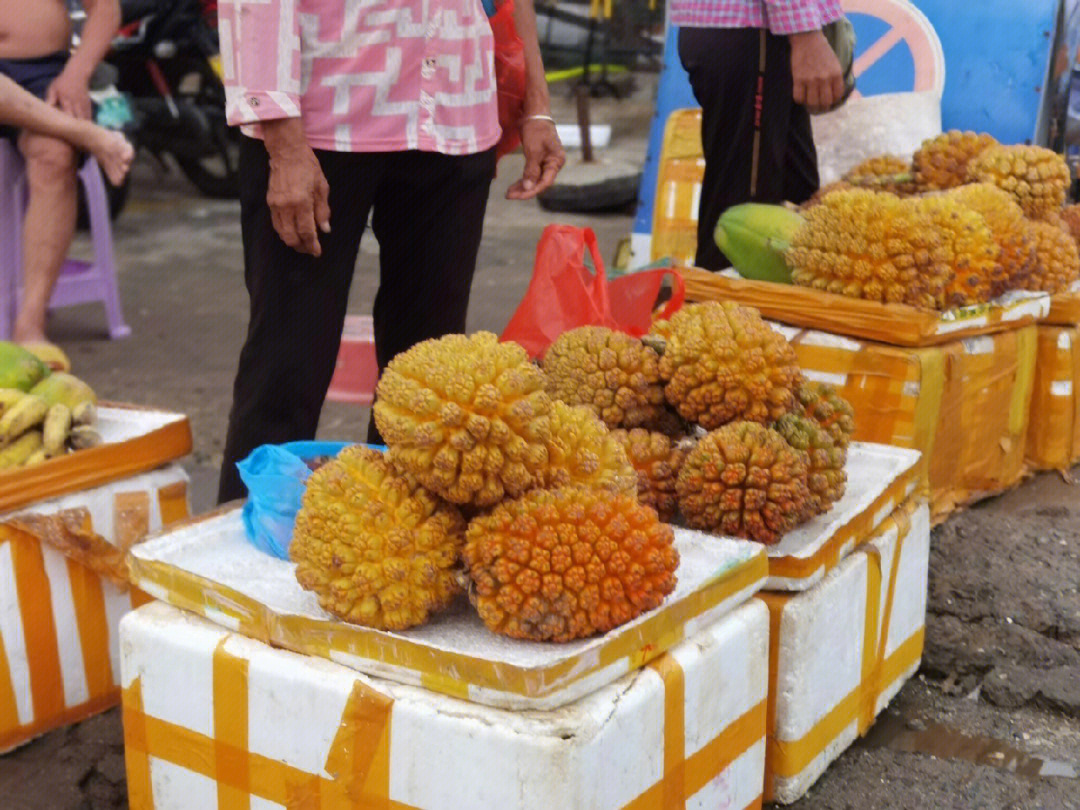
(1000, 681)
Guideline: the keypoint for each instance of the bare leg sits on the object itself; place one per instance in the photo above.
(48, 228)
(25, 111)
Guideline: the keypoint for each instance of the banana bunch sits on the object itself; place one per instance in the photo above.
(58, 415)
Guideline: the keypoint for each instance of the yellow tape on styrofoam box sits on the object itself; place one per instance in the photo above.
(839, 652)
(1053, 440)
(60, 605)
(217, 719)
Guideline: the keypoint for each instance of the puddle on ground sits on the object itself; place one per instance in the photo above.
(917, 736)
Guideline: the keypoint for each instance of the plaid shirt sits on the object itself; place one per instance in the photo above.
(779, 16)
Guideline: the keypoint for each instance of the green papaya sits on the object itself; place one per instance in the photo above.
(755, 236)
(19, 368)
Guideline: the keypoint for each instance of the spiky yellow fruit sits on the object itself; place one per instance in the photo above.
(1070, 216)
(826, 477)
(884, 173)
(1005, 219)
(722, 362)
(942, 161)
(1038, 178)
(467, 415)
(657, 460)
(822, 403)
(612, 373)
(581, 451)
(556, 565)
(969, 249)
(1057, 264)
(377, 548)
(744, 480)
(871, 245)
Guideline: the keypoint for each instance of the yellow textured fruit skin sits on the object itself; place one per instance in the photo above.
(1070, 216)
(875, 246)
(722, 362)
(884, 173)
(1057, 264)
(657, 460)
(822, 403)
(377, 548)
(744, 480)
(942, 161)
(581, 451)
(1038, 178)
(610, 372)
(970, 251)
(1005, 219)
(826, 477)
(557, 565)
(467, 415)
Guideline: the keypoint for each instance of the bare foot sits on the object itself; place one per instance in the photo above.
(113, 153)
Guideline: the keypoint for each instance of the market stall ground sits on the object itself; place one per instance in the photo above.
(1003, 635)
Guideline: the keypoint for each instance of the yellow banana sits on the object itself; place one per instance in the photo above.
(55, 430)
(23, 415)
(35, 458)
(63, 387)
(9, 396)
(85, 413)
(20, 450)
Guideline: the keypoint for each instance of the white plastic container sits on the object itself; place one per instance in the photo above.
(841, 650)
(210, 714)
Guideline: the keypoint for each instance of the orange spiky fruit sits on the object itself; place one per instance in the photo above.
(744, 480)
(942, 161)
(557, 565)
(1057, 263)
(969, 250)
(826, 476)
(612, 373)
(823, 403)
(1038, 178)
(657, 460)
(1005, 219)
(722, 362)
(581, 451)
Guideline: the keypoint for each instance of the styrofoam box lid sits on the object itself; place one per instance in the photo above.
(209, 567)
(879, 479)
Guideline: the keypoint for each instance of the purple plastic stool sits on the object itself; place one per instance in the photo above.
(79, 282)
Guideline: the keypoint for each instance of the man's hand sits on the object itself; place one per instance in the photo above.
(298, 194)
(70, 93)
(544, 157)
(818, 81)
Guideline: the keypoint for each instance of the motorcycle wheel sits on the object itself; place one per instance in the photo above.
(215, 174)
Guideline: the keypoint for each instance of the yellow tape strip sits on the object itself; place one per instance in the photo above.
(359, 759)
(39, 625)
(1019, 406)
(788, 758)
(317, 637)
(861, 525)
(231, 730)
(928, 404)
(674, 791)
(93, 624)
(136, 749)
(9, 709)
(173, 501)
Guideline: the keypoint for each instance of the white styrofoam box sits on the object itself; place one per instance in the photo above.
(189, 683)
(124, 424)
(211, 568)
(879, 479)
(821, 653)
(58, 619)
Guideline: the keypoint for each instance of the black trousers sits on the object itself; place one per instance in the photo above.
(757, 141)
(427, 212)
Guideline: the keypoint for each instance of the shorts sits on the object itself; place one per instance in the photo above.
(33, 75)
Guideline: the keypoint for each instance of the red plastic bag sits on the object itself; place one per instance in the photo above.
(509, 77)
(564, 294)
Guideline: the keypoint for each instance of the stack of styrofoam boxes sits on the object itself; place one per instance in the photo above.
(59, 648)
(667, 711)
(846, 632)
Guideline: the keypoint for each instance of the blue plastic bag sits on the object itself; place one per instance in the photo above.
(275, 476)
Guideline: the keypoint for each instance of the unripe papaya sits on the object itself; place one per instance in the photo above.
(754, 237)
(61, 388)
(19, 368)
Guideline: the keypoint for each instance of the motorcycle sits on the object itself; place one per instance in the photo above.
(168, 65)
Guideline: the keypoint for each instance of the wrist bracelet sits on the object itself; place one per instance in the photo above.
(538, 117)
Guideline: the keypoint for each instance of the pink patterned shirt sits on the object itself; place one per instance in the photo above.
(364, 75)
(779, 16)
